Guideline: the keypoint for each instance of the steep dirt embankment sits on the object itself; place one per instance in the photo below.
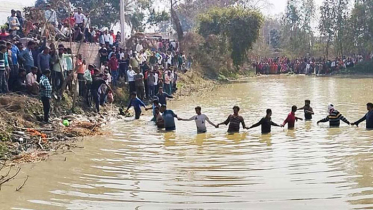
(23, 137)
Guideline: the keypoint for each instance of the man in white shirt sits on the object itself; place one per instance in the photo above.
(79, 17)
(200, 120)
(131, 79)
(139, 47)
(106, 37)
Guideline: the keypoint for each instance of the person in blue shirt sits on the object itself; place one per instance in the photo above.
(28, 57)
(368, 117)
(162, 96)
(137, 104)
(168, 118)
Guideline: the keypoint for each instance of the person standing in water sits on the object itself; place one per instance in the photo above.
(168, 118)
(290, 120)
(308, 111)
(334, 117)
(234, 120)
(137, 104)
(200, 120)
(158, 117)
(266, 123)
(368, 117)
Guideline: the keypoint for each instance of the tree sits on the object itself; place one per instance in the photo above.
(237, 26)
(136, 12)
(275, 38)
(39, 3)
(327, 23)
(296, 31)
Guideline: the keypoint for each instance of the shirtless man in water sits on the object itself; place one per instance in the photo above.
(308, 111)
(234, 121)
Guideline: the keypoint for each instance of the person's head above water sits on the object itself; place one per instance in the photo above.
(163, 108)
(307, 102)
(133, 95)
(370, 106)
(236, 109)
(198, 110)
(269, 112)
(331, 108)
(294, 109)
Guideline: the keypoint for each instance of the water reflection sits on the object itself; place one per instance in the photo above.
(311, 167)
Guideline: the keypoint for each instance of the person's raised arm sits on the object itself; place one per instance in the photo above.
(256, 124)
(324, 120)
(190, 119)
(39, 58)
(275, 124)
(243, 124)
(359, 121)
(310, 111)
(168, 96)
(208, 120)
(300, 108)
(129, 106)
(226, 122)
(285, 121)
(344, 119)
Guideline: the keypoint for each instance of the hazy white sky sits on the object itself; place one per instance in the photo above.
(278, 6)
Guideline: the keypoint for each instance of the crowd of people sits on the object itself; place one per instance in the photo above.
(49, 70)
(306, 65)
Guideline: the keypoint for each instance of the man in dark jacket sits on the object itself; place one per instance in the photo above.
(334, 117)
(368, 117)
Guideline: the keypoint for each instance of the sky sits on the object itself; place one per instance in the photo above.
(278, 6)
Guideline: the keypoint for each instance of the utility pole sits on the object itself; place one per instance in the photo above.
(122, 21)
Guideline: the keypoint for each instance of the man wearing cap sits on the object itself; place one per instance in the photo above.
(334, 117)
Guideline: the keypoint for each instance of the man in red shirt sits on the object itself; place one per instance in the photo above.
(290, 120)
(3, 35)
(113, 65)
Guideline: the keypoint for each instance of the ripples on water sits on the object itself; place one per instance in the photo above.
(141, 168)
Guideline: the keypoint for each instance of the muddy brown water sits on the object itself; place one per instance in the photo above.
(312, 167)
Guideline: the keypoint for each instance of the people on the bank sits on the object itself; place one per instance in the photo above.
(334, 118)
(368, 117)
(20, 82)
(136, 103)
(168, 118)
(45, 93)
(266, 123)
(98, 82)
(32, 84)
(290, 120)
(234, 120)
(308, 111)
(200, 120)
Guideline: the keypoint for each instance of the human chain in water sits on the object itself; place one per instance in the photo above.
(165, 118)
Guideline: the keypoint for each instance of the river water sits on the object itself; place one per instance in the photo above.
(312, 167)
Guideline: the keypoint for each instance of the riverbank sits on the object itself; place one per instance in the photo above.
(24, 138)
